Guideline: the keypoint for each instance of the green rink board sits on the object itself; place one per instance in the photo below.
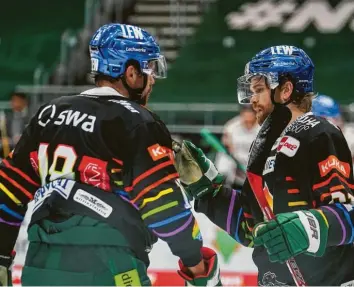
(30, 33)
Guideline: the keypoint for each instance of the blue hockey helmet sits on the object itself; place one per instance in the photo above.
(325, 106)
(113, 45)
(273, 64)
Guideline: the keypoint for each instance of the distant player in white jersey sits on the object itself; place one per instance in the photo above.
(238, 135)
(327, 107)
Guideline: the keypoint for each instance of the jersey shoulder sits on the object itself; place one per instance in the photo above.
(326, 127)
(108, 108)
(309, 127)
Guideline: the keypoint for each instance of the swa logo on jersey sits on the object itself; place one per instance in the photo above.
(288, 146)
(332, 162)
(76, 118)
(68, 117)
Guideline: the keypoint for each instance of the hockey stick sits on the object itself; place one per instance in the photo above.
(215, 143)
(266, 137)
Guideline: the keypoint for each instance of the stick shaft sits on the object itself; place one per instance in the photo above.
(257, 187)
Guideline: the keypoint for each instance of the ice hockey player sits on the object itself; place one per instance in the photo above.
(307, 180)
(326, 107)
(98, 166)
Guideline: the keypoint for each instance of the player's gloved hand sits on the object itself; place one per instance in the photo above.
(293, 233)
(211, 277)
(196, 170)
(5, 275)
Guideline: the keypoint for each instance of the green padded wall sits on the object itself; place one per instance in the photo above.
(30, 33)
(231, 33)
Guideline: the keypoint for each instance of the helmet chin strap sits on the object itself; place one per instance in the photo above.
(135, 94)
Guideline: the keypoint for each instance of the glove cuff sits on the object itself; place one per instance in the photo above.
(6, 260)
(200, 188)
(316, 228)
(203, 186)
(212, 274)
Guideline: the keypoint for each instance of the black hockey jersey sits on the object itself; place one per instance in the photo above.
(309, 166)
(103, 140)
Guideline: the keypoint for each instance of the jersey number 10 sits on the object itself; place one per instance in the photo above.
(68, 157)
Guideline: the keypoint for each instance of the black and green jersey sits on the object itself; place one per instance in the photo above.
(115, 147)
(309, 167)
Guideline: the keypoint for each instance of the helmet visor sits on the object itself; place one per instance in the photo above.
(249, 85)
(157, 68)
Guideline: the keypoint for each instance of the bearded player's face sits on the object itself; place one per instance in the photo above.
(260, 100)
(148, 89)
(136, 79)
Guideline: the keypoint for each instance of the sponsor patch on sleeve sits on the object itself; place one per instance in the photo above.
(157, 152)
(332, 162)
(288, 146)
